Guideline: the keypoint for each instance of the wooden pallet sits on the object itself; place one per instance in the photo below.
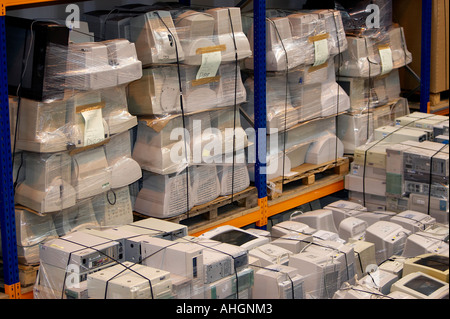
(437, 99)
(213, 210)
(439, 103)
(307, 174)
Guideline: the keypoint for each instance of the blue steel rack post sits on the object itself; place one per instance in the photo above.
(7, 214)
(425, 56)
(259, 21)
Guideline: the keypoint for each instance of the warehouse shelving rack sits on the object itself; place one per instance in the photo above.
(258, 216)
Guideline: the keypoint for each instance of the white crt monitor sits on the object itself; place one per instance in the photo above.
(290, 227)
(376, 216)
(270, 254)
(413, 221)
(295, 243)
(420, 243)
(321, 219)
(343, 209)
(434, 265)
(352, 228)
(235, 236)
(422, 286)
(389, 239)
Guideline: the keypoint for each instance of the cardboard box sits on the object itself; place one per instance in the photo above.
(408, 13)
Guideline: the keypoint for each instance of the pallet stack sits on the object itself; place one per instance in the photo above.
(369, 73)
(303, 97)
(72, 149)
(405, 168)
(189, 141)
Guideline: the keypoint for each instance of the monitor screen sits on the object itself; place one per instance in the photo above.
(34, 53)
(234, 237)
(436, 262)
(424, 285)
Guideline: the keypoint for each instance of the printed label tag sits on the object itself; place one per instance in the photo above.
(94, 131)
(210, 65)
(321, 52)
(387, 65)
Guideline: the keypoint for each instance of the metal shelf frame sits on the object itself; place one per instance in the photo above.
(259, 216)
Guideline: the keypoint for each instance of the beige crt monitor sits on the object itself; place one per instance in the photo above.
(281, 48)
(41, 125)
(343, 209)
(156, 38)
(389, 239)
(293, 242)
(47, 185)
(278, 282)
(413, 221)
(195, 30)
(422, 243)
(321, 219)
(124, 169)
(270, 254)
(228, 33)
(289, 228)
(320, 272)
(353, 228)
(422, 286)
(434, 265)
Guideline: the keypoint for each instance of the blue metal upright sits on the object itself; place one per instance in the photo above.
(259, 59)
(7, 214)
(259, 54)
(425, 68)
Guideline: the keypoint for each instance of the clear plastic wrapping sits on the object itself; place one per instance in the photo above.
(207, 136)
(89, 66)
(169, 195)
(158, 92)
(312, 142)
(292, 98)
(278, 282)
(104, 210)
(80, 119)
(401, 167)
(357, 128)
(373, 52)
(189, 36)
(362, 14)
(371, 93)
(56, 181)
(301, 38)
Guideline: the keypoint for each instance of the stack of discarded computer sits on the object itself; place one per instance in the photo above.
(369, 73)
(72, 141)
(301, 88)
(189, 141)
(403, 168)
(146, 259)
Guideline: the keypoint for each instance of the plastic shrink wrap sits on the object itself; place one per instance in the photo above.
(301, 38)
(373, 52)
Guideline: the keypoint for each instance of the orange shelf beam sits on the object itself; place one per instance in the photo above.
(11, 3)
(279, 206)
(307, 197)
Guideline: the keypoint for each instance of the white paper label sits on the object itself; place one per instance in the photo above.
(387, 65)
(321, 52)
(210, 65)
(94, 131)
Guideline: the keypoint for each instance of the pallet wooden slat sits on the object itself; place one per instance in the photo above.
(243, 200)
(307, 173)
